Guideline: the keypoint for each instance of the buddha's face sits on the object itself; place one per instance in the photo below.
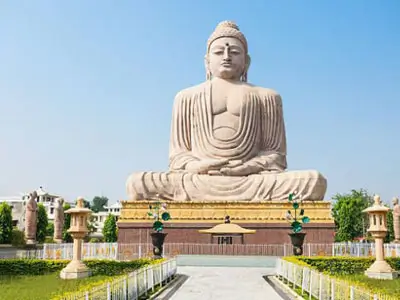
(227, 58)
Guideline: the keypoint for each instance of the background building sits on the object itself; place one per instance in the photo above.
(100, 217)
(17, 204)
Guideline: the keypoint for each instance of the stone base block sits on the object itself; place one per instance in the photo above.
(31, 242)
(75, 270)
(382, 275)
(66, 274)
(267, 218)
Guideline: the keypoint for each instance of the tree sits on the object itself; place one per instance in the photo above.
(50, 230)
(350, 221)
(98, 203)
(390, 233)
(110, 229)
(42, 223)
(67, 223)
(6, 225)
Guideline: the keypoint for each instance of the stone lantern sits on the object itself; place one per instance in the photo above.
(380, 269)
(78, 230)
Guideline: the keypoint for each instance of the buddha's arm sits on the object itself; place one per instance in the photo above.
(180, 141)
(272, 156)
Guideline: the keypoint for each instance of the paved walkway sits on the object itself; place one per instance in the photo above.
(225, 283)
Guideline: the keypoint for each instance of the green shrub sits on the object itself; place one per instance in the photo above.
(50, 229)
(96, 240)
(341, 265)
(42, 222)
(350, 271)
(18, 238)
(49, 240)
(6, 225)
(98, 267)
(110, 229)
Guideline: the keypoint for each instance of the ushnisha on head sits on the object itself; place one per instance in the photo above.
(227, 53)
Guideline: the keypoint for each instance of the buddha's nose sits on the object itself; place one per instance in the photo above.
(227, 56)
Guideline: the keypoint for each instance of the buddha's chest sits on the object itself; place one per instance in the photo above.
(226, 101)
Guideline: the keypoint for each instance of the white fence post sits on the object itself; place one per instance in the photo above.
(87, 295)
(44, 251)
(333, 289)
(320, 286)
(351, 292)
(125, 289)
(108, 291)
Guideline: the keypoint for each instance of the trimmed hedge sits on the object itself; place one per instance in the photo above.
(16, 267)
(350, 270)
(342, 265)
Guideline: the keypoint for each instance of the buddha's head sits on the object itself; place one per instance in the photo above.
(227, 56)
(395, 201)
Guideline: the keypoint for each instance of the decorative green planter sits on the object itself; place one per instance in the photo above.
(297, 219)
(157, 239)
(297, 239)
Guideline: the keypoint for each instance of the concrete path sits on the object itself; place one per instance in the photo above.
(225, 283)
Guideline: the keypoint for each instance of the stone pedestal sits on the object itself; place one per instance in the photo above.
(380, 269)
(268, 218)
(58, 241)
(78, 230)
(31, 242)
(76, 268)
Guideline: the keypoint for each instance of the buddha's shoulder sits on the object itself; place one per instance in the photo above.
(191, 91)
(261, 91)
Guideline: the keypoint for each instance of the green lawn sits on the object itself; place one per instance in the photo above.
(388, 287)
(40, 287)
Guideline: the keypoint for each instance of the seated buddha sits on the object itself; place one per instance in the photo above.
(228, 138)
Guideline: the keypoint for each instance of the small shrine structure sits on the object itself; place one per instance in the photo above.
(226, 231)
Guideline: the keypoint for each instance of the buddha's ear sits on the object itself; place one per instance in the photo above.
(207, 66)
(248, 62)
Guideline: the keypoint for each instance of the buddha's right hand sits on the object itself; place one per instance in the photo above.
(203, 166)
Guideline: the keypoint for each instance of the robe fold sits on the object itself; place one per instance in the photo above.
(260, 140)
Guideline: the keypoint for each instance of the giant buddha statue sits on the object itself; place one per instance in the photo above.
(228, 138)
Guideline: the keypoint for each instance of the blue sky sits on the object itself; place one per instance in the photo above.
(86, 87)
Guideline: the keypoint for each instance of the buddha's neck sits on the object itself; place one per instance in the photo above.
(222, 80)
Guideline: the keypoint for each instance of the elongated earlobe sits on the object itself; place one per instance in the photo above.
(206, 65)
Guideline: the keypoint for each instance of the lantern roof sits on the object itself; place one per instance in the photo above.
(377, 206)
(79, 208)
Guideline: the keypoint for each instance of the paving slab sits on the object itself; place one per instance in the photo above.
(230, 283)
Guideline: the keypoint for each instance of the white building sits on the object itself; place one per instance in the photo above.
(18, 205)
(100, 217)
(47, 199)
(17, 210)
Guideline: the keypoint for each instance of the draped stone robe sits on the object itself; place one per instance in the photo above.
(260, 140)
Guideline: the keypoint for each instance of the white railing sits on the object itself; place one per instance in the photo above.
(321, 286)
(89, 251)
(136, 284)
(363, 249)
(118, 251)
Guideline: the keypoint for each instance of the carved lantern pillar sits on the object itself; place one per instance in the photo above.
(380, 269)
(78, 230)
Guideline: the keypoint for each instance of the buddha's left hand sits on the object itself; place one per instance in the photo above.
(241, 170)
